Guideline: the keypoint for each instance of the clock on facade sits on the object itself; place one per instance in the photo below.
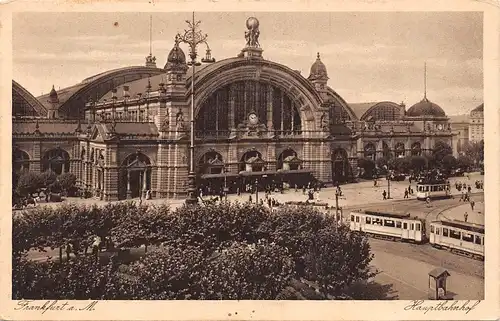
(440, 127)
(253, 119)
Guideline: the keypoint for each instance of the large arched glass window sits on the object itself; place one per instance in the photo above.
(56, 160)
(230, 107)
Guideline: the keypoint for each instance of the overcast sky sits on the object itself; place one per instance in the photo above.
(369, 56)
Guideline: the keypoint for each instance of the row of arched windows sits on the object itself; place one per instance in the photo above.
(212, 162)
(399, 150)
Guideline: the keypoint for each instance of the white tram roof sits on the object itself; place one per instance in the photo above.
(463, 225)
(386, 213)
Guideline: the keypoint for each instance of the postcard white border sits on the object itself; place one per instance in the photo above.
(262, 310)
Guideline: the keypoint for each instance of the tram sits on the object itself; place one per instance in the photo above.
(433, 190)
(392, 226)
(459, 237)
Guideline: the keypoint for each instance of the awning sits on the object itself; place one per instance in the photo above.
(221, 175)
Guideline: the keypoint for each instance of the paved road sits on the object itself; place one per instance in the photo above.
(404, 271)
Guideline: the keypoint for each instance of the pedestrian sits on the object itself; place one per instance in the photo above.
(469, 189)
(269, 202)
(296, 188)
(375, 182)
(406, 193)
(472, 204)
(466, 216)
(384, 194)
(250, 198)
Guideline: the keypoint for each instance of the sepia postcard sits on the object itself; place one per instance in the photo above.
(264, 160)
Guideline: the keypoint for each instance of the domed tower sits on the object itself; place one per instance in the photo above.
(176, 65)
(318, 75)
(52, 111)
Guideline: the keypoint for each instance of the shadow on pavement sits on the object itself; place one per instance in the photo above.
(372, 291)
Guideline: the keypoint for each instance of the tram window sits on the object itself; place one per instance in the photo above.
(368, 220)
(477, 240)
(468, 237)
(418, 226)
(445, 232)
(357, 219)
(412, 227)
(427, 188)
(398, 224)
(405, 226)
(432, 229)
(352, 218)
(389, 223)
(437, 230)
(455, 234)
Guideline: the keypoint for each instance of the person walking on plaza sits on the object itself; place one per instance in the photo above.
(384, 195)
(406, 193)
(250, 198)
(472, 204)
(375, 182)
(466, 216)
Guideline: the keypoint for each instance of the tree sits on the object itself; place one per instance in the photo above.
(464, 161)
(402, 164)
(418, 163)
(337, 259)
(449, 162)
(368, 165)
(475, 151)
(29, 183)
(248, 272)
(67, 181)
(440, 150)
(48, 178)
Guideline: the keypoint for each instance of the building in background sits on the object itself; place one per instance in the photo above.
(460, 130)
(476, 124)
(126, 131)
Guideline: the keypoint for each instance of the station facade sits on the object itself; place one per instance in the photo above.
(126, 131)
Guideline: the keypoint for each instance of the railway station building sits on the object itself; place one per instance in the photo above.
(126, 131)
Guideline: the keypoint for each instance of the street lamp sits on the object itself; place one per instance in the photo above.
(388, 185)
(225, 182)
(193, 37)
(256, 191)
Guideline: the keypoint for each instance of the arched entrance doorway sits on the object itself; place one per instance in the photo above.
(288, 160)
(416, 149)
(340, 166)
(20, 160)
(135, 173)
(252, 161)
(56, 160)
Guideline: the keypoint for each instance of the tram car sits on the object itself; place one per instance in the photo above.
(459, 237)
(433, 190)
(392, 226)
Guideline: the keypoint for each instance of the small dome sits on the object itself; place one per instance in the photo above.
(425, 108)
(176, 55)
(53, 96)
(318, 70)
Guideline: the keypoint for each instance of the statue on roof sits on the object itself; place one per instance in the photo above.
(252, 35)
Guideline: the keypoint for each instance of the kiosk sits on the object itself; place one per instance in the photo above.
(437, 284)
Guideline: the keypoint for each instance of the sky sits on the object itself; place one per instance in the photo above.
(370, 56)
